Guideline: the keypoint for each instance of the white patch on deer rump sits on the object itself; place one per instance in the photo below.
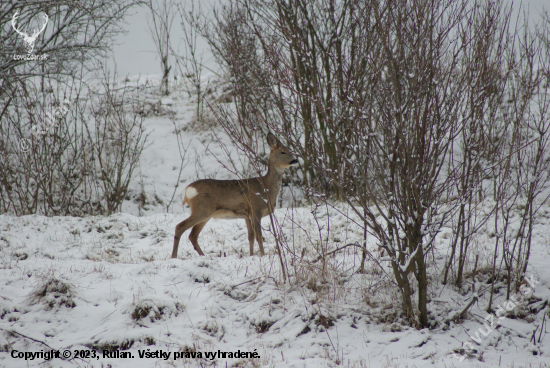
(190, 192)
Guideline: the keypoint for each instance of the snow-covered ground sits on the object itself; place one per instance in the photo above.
(108, 284)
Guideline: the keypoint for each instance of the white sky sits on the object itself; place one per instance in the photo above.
(135, 52)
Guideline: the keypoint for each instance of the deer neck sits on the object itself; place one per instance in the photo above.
(272, 181)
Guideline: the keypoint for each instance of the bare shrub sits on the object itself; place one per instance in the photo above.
(159, 26)
(47, 172)
(190, 63)
(43, 179)
(117, 136)
(403, 111)
(237, 49)
(182, 149)
(68, 45)
(78, 162)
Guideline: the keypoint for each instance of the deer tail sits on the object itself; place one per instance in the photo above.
(189, 193)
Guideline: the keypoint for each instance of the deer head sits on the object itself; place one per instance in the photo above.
(30, 40)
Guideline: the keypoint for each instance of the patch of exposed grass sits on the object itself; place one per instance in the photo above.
(111, 346)
(53, 292)
(324, 321)
(148, 309)
(263, 326)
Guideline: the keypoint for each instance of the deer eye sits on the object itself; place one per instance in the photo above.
(283, 153)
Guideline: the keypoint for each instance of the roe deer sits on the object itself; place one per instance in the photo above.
(233, 199)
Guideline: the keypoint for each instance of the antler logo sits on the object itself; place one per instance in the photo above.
(30, 40)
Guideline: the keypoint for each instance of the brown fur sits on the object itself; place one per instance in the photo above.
(236, 199)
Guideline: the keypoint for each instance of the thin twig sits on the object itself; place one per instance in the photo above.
(337, 250)
(465, 309)
(234, 286)
(533, 337)
(33, 339)
(542, 326)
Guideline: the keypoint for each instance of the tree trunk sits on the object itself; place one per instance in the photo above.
(422, 287)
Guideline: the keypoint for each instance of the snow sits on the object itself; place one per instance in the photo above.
(112, 284)
(408, 260)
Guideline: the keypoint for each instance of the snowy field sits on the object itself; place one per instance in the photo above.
(108, 284)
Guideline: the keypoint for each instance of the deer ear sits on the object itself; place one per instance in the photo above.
(272, 140)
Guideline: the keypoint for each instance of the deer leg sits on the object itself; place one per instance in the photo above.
(180, 229)
(194, 236)
(250, 235)
(257, 226)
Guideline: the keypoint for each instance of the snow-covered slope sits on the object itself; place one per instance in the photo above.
(107, 284)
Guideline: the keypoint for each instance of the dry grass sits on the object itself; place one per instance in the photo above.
(53, 292)
(144, 310)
